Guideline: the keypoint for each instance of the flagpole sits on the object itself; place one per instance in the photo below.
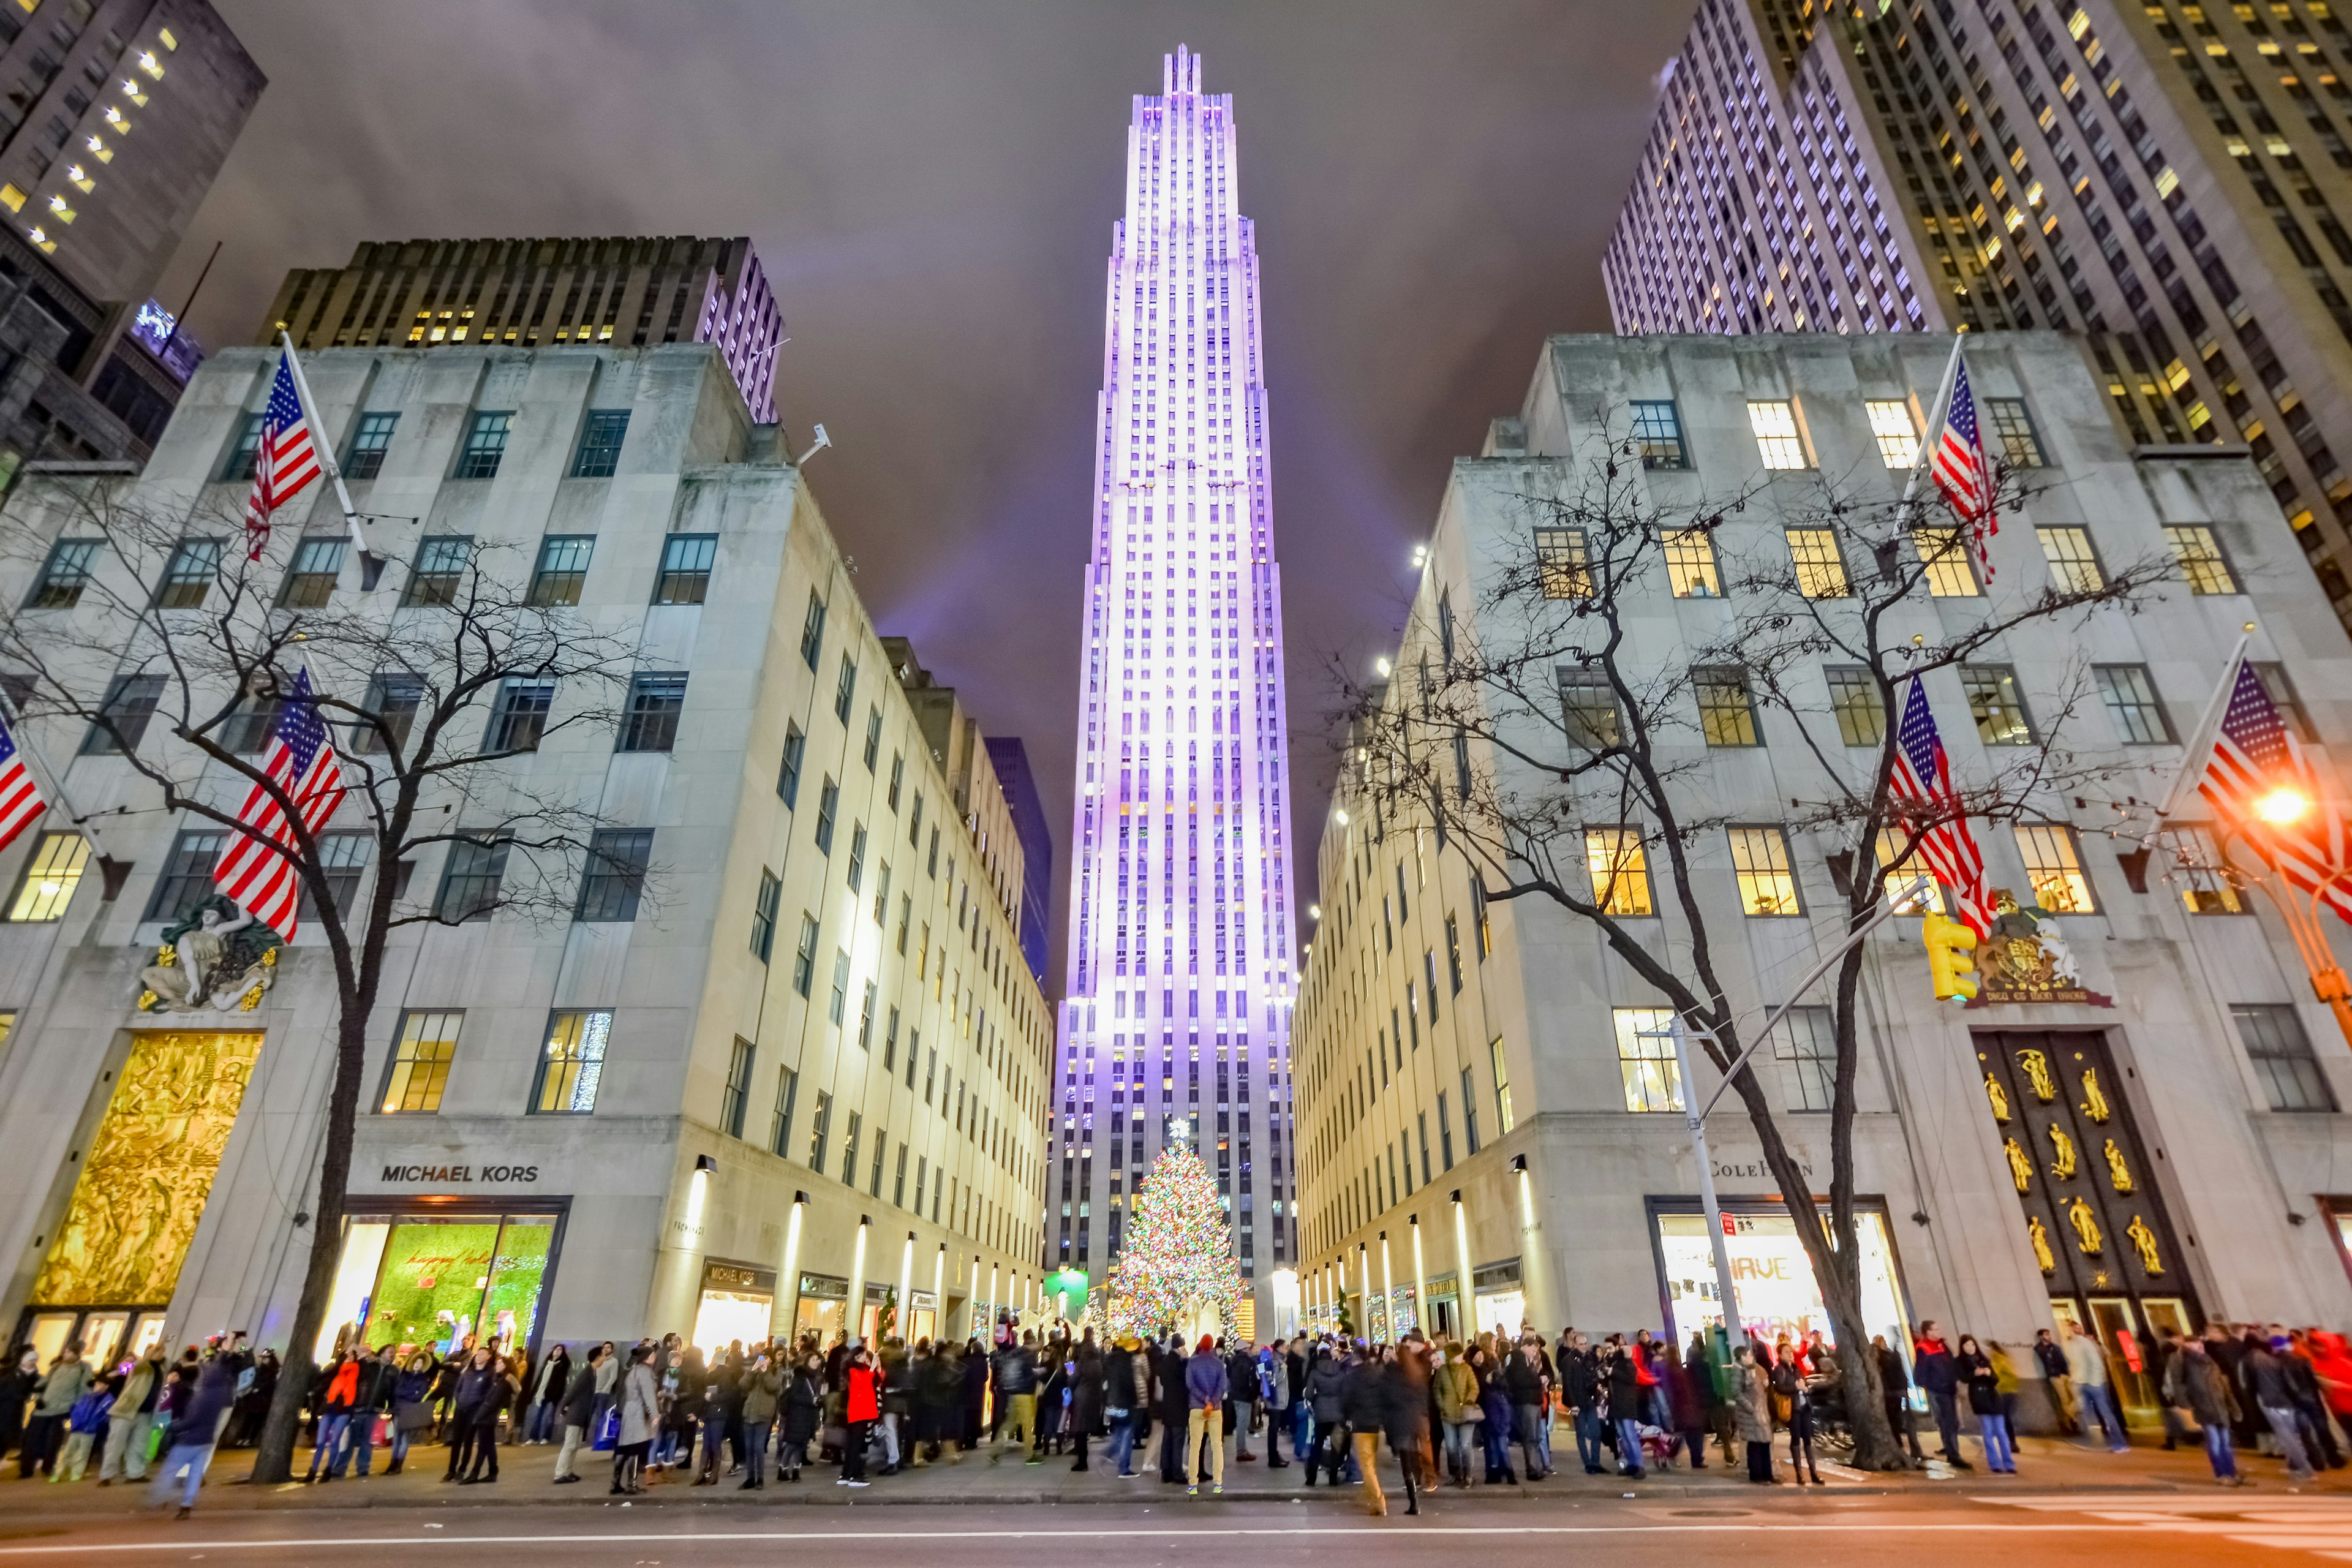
(55, 783)
(371, 564)
(2199, 749)
(1935, 420)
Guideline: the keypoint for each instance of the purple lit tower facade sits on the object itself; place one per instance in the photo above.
(1179, 957)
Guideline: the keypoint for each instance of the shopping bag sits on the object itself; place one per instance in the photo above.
(608, 1432)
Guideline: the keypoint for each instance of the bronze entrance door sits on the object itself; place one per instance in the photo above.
(2088, 1196)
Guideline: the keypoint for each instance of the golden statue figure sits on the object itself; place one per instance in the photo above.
(2094, 1099)
(2041, 1239)
(2144, 1239)
(1999, 1097)
(2020, 1164)
(2068, 1161)
(2118, 1172)
(2036, 1068)
(2086, 1226)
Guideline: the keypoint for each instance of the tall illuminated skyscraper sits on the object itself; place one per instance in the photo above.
(1180, 955)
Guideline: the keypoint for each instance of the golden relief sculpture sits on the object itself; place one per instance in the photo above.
(2094, 1100)
(2088, 1234)
(1999, 1097)
(2067, 1161)
(2118, 1173)
(144, 1180)
(2041, 1239)
(2036, 1068)
(2142, 1238)
(2020, 1164)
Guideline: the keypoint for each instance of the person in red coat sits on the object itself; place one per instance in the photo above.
(862, 1386)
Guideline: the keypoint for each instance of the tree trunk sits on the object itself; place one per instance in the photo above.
(274, 1461)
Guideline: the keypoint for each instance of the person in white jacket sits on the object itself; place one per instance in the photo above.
(640, 1406)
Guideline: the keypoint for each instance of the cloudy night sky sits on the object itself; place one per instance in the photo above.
(931, 189)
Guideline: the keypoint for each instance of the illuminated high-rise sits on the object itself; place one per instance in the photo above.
(1180, 953)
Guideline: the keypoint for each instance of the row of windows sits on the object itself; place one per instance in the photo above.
(1564, 563)
(435, 577)
(596, 456)
(1783, 442)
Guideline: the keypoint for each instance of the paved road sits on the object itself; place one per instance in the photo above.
(2029, 1530)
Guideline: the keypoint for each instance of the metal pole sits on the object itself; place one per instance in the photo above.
(371, 564)
(1695, 1119)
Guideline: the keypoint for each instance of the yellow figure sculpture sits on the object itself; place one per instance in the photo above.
(2041, 1239)
(2094, 1099)
(2144, 1239)
(2067, 1160)
(2086, 1228)
(2119, 1173)
(2020, 1164)
(2036, 1068)
(1999, 1097)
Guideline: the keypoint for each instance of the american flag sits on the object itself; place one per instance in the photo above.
(1961, 469)
(285, 463)
(2255, 769)
(20, 797)
(258, 871)
(1922, 778)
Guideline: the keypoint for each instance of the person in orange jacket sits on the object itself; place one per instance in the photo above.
(862, 1385)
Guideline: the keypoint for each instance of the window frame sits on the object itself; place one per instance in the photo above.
(594, 458)
(2073, 574)
(363, 458)
(766, 904)
(432, 583)
(478, 863)
(582, 1061)
(1720, 678)
(1576, 719)
(1772, 444)
(1819, 565)
(2293, 1045)
(2063, 838)
(2203, 563)
(1647, 1070)
(130, 702)
(1880, 413)
(480, 457)
(2121, 713)
(613, 889)
(646, 725)
(1611, 868)
(52, 589)
(2012, 422)
(1691, 570)
(1750, 881)
(403, 1084)
(189, 573)
(1659, 448)
(2010, 698)
(1854, 693)
(514, 725)
(1808, 1075)
(194, 881)
(683, 577)
(307, 586)
(555, 583)
(29, 904)
(1563, 562)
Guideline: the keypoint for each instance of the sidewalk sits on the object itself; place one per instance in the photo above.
(526, 1479)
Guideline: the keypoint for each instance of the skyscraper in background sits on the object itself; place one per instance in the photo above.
(2172, 181)
(1180, 978)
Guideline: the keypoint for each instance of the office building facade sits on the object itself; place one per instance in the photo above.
(1176, 1012)
(1027, 809)
(779, 1067)
(2153, 1144)
(2170, 180)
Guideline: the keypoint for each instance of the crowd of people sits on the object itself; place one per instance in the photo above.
(1460, 1413)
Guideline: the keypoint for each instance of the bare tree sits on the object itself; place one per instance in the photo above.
(1541, 715)
(177, 653)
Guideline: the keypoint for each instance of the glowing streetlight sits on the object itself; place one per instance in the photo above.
(1381, 667)
(2281, 808)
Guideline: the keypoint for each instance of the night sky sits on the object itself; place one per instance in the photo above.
(931, 188)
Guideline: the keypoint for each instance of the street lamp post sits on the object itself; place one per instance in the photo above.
(2299, 909)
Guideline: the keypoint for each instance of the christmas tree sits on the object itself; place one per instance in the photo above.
(1179, 1256)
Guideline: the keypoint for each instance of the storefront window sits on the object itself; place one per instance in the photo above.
(1777, 1292)
(737, 1304)
(434, 1280)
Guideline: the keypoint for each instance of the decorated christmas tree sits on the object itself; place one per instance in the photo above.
(1178, 1262)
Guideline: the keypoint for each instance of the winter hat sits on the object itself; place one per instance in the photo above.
(1207, 1344)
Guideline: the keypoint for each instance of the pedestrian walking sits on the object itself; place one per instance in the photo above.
(578, 1413)
(2194, 1382)
(2261, 1375)
(196, 1422)
(2086, 1363)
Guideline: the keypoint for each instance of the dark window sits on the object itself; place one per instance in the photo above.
(65, 575)
(1469, 1111)
(187, 878)
(394, 700)
(563, 568)
(804, 956)
(188, 574)
(2283, 1058)
(872, 737)
(599, 444)
(1658, 434)
(1854, 698)
(2013, 426)
(819, 1125)
(486, 445)
(2283, 696)
(788, 776)
(519, 718)
(311, 580)
(2132, 702)
(343, 857)
(365, 460)
(655, 700)
(685, 568)
(780, 1122)
(763, 914)
(239, 466)
(813, 630)
(1727, 708)
(844, 689)
(739, 1088)
(130, 704)
(615, 879)
(827, 799)
(470, 878)
(440, 567)
(856, 857)
(249, 728)
(1589, 708)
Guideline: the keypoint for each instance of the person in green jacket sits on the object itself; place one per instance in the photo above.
(46, 1432)
(1456, 1390)
(762, 1390)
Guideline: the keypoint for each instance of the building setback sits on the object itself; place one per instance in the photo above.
(1179, 950)
(538, 293)
(2172, 181)
(808, 1055)
(1028, 812)
(1524, 1157)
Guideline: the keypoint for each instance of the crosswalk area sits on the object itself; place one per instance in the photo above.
(2288, 1523)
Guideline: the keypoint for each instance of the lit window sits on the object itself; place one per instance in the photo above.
(1620, 871)
(1658, 433)
(1563, 566)
(1861, 710)
(1897, 879)
(1807, 1042)
(2208, 886)
(419, 1068)
(1997, 705)
(2054, 869)
(1645, 1059)
(1759, 862)
(50, 878)
(12, 198)
(1726, 711)
(2199, 556)
(1502, 1086)
(1821, 571)
(572, 1064)
(1944, 552)
(1777, 439)
(1690, 564)
(2130, 697)
(1890, 425)
(2073, 565)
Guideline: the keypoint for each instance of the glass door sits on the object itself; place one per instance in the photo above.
(2119, 1334)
